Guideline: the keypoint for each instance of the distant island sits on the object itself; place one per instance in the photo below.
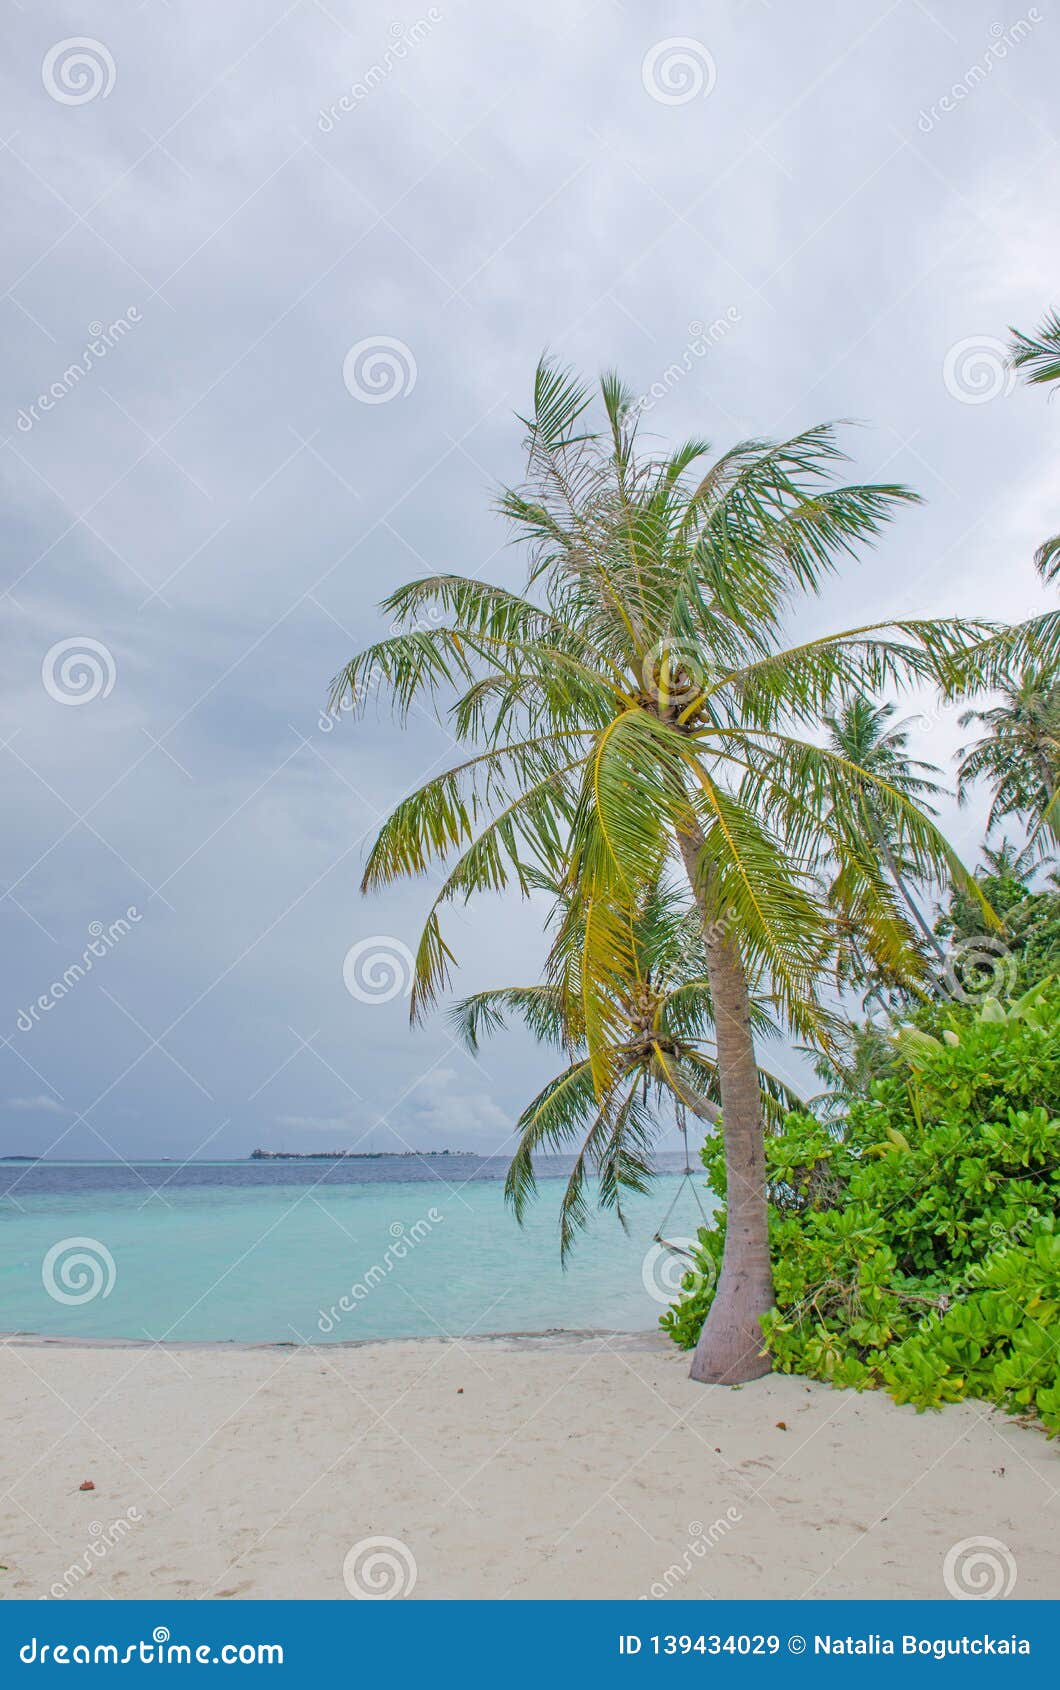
(346, 1155)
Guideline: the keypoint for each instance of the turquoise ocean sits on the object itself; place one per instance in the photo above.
(308, 1251)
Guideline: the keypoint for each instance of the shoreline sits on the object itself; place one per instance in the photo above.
(555, 1338)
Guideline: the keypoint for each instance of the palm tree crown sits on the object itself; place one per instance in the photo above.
(641, 692)
(1019, 753)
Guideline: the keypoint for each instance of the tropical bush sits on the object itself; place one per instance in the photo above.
(915, 1245)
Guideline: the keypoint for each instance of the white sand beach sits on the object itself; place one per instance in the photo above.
(572, 1467)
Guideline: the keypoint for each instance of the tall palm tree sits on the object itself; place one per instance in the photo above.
(1019, 752)
(664, 1053)
(634, 701)
(868, 737)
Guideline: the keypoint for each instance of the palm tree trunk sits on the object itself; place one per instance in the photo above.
(911, 904)
(730, 1348)
(700, 1106)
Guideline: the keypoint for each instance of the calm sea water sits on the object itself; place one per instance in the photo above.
(315, 1251)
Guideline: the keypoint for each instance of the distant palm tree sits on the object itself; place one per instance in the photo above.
(863, 733)
(1037, 357)
(664, 1053)
(1029, 652)
(1019, 753)
(1006, 861)
(634, 702)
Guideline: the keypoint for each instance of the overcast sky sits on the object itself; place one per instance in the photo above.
(223, 201)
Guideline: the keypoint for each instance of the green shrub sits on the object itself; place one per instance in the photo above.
(915, 1246)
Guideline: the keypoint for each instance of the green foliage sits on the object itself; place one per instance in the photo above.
(1034, 929)
(917, 1248)
(1029, 935)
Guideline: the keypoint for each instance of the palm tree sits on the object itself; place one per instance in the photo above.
(863, 733)
(1009, 862)
(634, 699)
(1037, 357)
(1019, 752)
(664, 1053)
(1030, 652)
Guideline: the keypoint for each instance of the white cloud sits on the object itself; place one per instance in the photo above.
(41, 1104)
(454, 1117)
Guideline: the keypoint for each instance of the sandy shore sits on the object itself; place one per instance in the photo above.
(577, 1468)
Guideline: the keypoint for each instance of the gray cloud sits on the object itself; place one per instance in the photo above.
(209, 503)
